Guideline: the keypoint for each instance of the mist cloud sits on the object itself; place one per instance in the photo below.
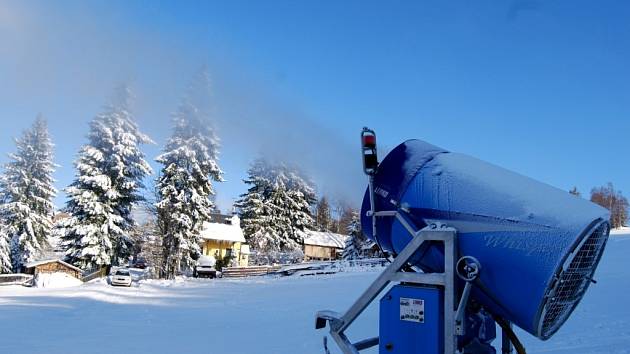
(264, 125)
(65, 63)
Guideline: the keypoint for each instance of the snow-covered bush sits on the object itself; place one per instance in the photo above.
(55, 280)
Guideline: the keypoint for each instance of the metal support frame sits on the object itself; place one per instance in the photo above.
(339, 323)
(453, 317)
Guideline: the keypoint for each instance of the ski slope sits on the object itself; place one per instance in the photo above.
(260, 315)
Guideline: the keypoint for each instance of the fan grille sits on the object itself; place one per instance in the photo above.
(573, 280)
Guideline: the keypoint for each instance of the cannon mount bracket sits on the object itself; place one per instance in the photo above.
(338, 323)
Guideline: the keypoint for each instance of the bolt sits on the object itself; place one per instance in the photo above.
(389, 347)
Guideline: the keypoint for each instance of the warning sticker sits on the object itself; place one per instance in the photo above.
(411, 310)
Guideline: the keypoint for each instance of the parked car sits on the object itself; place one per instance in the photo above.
(122, 277)
(205, 268)
(140, 263)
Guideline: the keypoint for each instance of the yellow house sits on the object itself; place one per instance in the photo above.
(222, 237)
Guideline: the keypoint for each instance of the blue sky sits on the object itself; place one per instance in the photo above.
(539, 87)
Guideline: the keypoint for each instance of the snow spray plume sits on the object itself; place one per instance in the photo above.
(261, 126)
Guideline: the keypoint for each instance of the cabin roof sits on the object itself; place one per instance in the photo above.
(324, 239)
(46, 261)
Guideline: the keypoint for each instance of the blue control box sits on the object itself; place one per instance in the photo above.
(411, 320)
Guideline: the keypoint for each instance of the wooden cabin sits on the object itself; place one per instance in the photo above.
(52, 266)
(370, 250)
(323, 246)
(222, 236)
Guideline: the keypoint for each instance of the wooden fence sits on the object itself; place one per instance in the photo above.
(241, 272)
(16, 279)
(98, 273)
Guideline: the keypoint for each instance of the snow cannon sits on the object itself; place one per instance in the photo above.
(470, 245)
(538, 245)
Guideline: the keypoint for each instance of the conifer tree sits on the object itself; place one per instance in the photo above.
(346, 216)
(27, 193)
(110, 169)
(255, 213)
(185, 190)
(355, 240)
(324, 217)
(300, 196)
(5, 251)
(275, 211)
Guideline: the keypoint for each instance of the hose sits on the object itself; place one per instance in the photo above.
(505, 327)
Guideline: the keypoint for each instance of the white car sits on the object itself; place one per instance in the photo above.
(122, 277)
(205, 268)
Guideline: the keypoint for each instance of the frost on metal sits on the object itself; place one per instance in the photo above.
(525, 233)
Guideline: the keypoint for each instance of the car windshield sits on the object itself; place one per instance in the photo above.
(122, 272)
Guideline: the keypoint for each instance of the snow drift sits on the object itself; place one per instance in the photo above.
(55, 280)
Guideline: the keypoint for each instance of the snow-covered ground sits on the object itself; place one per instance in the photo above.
(622, 231)
(56, 280)
(259, 315)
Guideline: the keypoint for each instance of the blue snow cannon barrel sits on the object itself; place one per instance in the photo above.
(538, 245)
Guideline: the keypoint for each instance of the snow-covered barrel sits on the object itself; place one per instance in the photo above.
(538, 245)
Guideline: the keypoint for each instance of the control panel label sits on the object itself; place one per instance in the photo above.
(411, 310)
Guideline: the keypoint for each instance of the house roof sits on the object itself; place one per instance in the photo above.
(229, 230)
(324, 239)
(46, 261)
(368, 245)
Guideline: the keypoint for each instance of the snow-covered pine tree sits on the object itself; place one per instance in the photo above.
(255, 212)
(27, 193)
(185, 190)
(275, 211)
(346, 214)
(280, 222)
(301, 196)
(355, 241)
(5, 251)
(110, 169)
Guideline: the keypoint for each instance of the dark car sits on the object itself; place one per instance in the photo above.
(140, 263)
